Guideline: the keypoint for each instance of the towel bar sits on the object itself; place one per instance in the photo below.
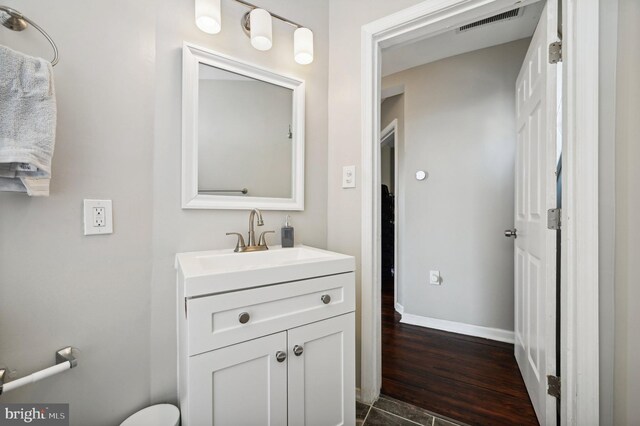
(243, 190)
(16, 21)
(64, 361)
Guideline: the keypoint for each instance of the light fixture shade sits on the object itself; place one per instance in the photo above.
(303, 46)
(261, 36)
(208, 16)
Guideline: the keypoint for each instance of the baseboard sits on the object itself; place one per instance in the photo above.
(358, 395)
(399, 308)
(459, 327)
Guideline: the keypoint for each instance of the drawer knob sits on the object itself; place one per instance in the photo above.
(281, 356)
(297, 350)
(325, 299)
(244, 317)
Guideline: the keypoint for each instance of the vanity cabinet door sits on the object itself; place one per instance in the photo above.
(243, 384)
(322, 373)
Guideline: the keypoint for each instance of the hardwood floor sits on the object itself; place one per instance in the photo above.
(469, 379)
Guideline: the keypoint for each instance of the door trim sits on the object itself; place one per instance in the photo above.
(579, 258)
(579, 263)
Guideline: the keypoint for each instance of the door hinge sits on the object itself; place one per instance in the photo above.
(553, 386)
(555, 52)
(553, 219)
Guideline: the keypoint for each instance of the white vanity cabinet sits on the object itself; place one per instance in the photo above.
(269, 354)
(321, 379)
(242, 384)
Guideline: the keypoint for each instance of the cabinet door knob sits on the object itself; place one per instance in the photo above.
(244, 317)
(325, 299)
(281, 356)
(297, 350)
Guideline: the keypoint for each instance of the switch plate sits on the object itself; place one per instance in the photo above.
(434, 278)
(98, 217)
(349, 177)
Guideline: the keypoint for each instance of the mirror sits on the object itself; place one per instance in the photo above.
(243, 135)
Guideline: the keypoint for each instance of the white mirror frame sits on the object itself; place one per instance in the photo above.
(192, 56)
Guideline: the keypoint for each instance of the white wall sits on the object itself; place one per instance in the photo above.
(119, 137)
(344, 205)
(58, 287)
(459, 122)
(177, 230)
(627, 266)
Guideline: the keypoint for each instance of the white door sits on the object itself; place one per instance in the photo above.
(239, 385)
(322, 373)
(535, 261)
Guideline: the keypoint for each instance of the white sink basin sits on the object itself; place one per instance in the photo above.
(216, 271)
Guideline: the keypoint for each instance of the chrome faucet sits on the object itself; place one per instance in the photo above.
(252, 246)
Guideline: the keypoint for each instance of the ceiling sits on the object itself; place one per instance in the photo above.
(423, 51)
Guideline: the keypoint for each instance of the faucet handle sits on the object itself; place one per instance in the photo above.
(240, 245)
(262, 241)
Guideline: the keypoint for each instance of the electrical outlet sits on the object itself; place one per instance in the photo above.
(98, 217)
(434, 278)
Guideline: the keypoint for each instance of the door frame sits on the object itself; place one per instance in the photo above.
(579, 261)
(392, 128)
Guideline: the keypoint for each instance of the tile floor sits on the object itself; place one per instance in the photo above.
(387, 411)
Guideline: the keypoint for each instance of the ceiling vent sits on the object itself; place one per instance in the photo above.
(500, 17)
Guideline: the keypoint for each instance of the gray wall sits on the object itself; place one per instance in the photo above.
(58, 287)
(392, 108)
(459, 127)
(177, 230)
(387, 167)
(627, 265)
(119, 138)
(242, 140)
(607, 211)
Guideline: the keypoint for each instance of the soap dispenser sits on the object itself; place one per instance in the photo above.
(287, 233)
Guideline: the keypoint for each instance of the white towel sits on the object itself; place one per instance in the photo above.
(27, 123)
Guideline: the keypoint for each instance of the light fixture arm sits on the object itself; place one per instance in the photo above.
(246, 25)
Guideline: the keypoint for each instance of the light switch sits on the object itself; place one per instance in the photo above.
(98, 217)
(349, 177)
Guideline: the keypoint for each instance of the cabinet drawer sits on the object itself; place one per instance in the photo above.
(214, 321)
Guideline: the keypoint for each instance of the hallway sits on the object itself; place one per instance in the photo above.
(469, 379)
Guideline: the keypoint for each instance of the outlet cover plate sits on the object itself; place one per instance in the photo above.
(349, 177)
(90, 207)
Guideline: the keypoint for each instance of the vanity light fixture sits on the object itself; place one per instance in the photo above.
(260, 29)
(257, 25)
(303, 46)
(208, 17)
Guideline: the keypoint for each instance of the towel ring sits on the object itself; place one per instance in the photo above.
(16, 21)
